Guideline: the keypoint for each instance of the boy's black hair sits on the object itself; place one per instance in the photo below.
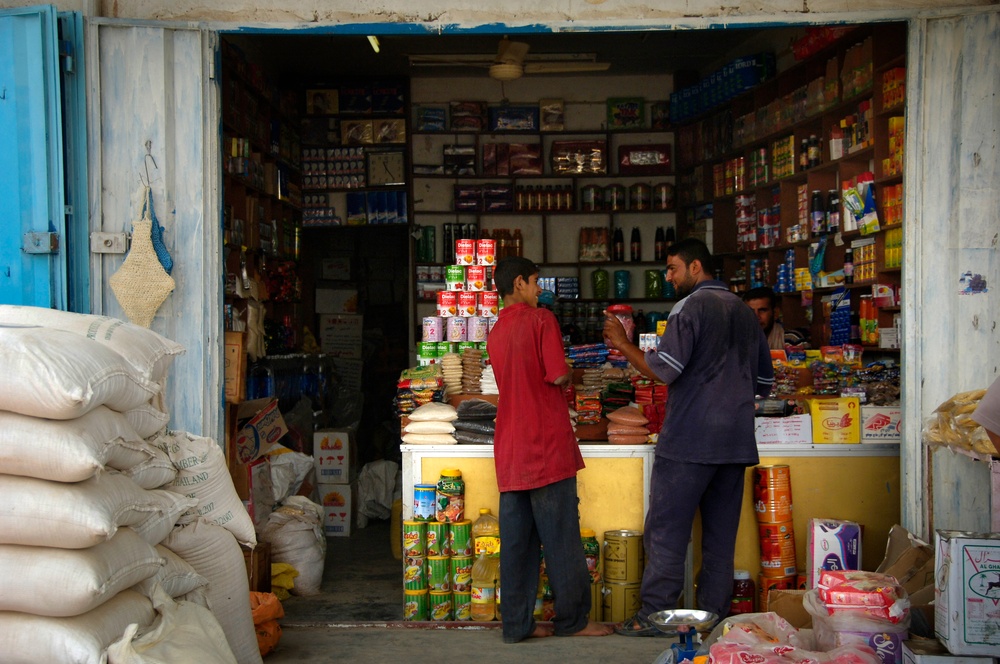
(510, 268)
(691, 249)
(761, 293)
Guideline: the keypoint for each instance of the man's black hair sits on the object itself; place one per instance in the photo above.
(761, 293)
(691, 249)
(509, 269)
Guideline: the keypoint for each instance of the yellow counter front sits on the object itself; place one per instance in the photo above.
(850, 482)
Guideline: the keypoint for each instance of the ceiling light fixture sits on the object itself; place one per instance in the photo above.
(373, 40)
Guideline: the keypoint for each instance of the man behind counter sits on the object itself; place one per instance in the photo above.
(763, 301)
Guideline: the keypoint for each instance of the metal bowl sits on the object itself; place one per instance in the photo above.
(670, 620)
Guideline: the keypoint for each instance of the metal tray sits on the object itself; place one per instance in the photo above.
(670, 620)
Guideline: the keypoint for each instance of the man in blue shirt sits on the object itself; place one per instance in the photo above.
(715, 358)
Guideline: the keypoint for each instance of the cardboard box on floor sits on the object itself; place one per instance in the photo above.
(253, 426)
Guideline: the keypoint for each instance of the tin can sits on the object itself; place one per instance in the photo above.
(663, 196)
(591, 198)
(486, 251)
(458, 327)
(777, 549)
(439, 573)
(475, 278)
(462, 605)
(467, 304)
(460, 538)
(639, 195)
(623, 556)
(461, 574)
(415, 604)
(424, 502)
(614, 198)
(440, 605)
(437, 539)
(414, 573)
(454, 277)
(450, 496)
(489, 302)
(478, 328)
(414, 537)
(433, 328)
(620, 601)
(766, 583)
(444, 348)
(465, 252)
(772, 493)
(447, 303)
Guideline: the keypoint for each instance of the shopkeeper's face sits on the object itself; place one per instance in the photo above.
(679, 274)
(765, 314)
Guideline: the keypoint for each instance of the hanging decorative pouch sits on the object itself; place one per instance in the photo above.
(141, 284)
(157, 234)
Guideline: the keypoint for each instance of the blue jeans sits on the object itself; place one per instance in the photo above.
(549, 517)
(676, 491)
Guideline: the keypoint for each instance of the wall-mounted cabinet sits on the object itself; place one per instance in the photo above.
(769, 180)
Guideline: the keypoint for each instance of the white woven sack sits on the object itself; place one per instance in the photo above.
(148, 352)
(29, 639)
(68, 450)
(68, 582)
(60, 375)
(154, 473)
(74, 515)
(434, 411)
(159, 524)
(202, 472)
(215, 554)
(295, 533)
(176, 577)
(147, 420)
(182, 632)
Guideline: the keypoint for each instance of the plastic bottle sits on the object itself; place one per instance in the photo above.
(659, 245)
(517, 242)
(833, 211)
(671, 237)
(817, 212)
(485, 571)
(743, 593)
(635, 245)
(848, 266)
(486, 533)
(813, 151)
(804, 154)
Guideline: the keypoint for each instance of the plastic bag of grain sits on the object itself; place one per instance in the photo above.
(79, 515)
(215, 554)
(202, 472)
(181, 632)
(68, 582)
(149, 353)
(28, 639)
(295, 532)
(61, 376)
(69, 450)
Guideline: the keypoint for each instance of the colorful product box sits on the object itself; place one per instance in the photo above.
(880, 424)
(338, 501)
(333, 456)
(831, 545)
(967, 592)
(836, 421)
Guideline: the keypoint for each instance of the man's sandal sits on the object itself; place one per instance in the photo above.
(639, 626)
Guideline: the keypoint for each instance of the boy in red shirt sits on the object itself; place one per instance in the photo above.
(537, 458)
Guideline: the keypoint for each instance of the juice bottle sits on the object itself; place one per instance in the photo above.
(486, 533)
(484, 577)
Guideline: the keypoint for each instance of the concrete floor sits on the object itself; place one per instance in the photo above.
(358, 618)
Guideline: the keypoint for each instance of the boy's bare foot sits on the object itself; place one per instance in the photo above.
(541, 631)
(595, 629)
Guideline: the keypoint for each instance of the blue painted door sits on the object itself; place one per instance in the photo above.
(32, 201)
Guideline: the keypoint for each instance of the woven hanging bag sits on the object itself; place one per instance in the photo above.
(141, 284)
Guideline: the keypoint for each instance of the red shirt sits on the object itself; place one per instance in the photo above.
(534, 443)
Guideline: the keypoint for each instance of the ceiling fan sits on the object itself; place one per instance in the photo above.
(512, 61)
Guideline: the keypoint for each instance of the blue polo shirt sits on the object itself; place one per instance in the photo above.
(715, 358)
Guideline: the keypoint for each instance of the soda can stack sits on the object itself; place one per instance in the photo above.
(772, 493)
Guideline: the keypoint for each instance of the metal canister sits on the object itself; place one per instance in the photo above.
(614, 197)
(439, 573)
(460, 538)
(624, 557)
(591, 198)
(414, 537)
(414, 573)
(663, 196)
(591, 553)
(415, 604)
(440, 605)
(772, 493)
(462, 605)
(454, 277)
(437, 539)
(424, 502)
(621, 600)
(777, 549)
(461, 574)
(639, 197)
